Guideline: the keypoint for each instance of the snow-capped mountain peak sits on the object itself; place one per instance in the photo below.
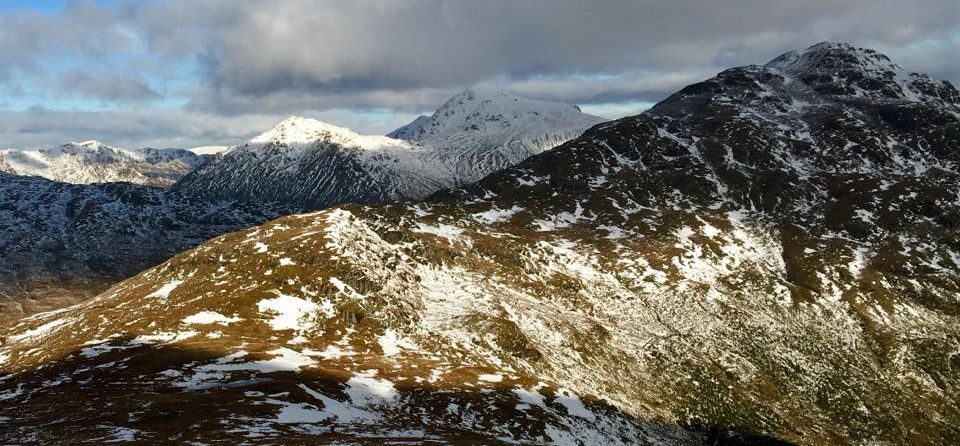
(299, 131)
(296, 129)
(834, 56)
(90, 144)
(844, 70)
(410, 130)
(80, 148)
(489, 113)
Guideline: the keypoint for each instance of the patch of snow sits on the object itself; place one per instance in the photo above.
(365, 390)
(289, 312)
(613, 232)
(121, 434)
(12, 393)
(451, 233)
(210, 317)
(164, 291)
(573, 405)
(344, 413)
(40, 331)
(163, 337)
(391, 343)
(331, 352)
(495, 215)
(529, 398)
(490, 378)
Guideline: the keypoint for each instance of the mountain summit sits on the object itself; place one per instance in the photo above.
(845, 70)
(304, 131)
(491, 115)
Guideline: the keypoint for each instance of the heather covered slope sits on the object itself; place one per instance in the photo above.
(758, 255)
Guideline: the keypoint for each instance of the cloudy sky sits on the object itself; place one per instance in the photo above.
(183, 73)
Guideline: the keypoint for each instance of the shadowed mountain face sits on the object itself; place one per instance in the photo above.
(767, 256)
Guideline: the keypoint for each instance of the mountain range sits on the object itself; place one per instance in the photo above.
(64, 243)
(771, 256)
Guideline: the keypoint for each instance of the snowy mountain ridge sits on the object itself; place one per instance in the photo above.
(95, 162)
(296, 130)
(209, 150)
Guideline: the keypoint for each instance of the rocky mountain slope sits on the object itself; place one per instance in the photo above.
(63, 243)
(313, 165)
(95, 162)
(769, 256)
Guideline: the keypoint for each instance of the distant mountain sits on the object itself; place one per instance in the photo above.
(94, 162)
(314, 165)
(771, 256)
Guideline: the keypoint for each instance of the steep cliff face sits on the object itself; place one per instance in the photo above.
(758, 258)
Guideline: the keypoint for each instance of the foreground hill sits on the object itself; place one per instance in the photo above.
(94, 162)
(770, 255)
(313, 165)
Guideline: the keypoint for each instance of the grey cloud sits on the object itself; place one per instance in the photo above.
(111, 87)
(367, 49)
(625, 87)
(38, 127)
(83, 28)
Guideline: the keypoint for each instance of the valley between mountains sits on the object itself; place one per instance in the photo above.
(770, 256)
